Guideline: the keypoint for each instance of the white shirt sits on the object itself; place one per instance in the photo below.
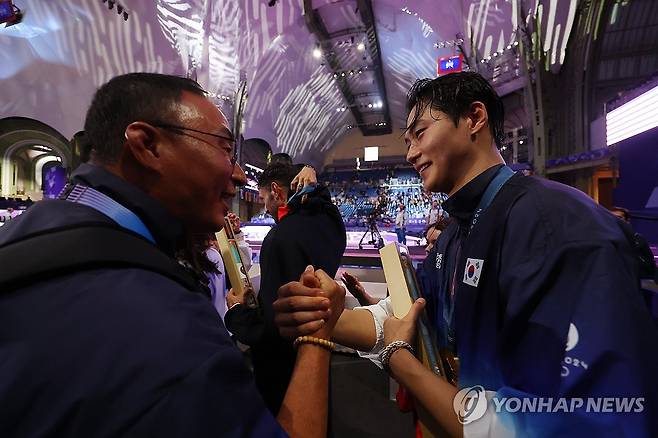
(401, 219)
(380, 312)
(433, 216)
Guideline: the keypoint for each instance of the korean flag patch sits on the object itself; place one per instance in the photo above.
(473, 271)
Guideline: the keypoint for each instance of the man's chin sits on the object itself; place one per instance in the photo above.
(431, 185)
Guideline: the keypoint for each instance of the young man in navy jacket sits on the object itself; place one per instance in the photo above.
(533, 286)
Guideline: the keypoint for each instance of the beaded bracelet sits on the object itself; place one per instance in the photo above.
(316, 341)
(386, 353)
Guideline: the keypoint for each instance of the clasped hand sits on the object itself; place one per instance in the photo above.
(310, 306)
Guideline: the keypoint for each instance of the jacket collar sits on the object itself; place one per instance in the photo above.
(463, 203)
(165, 228)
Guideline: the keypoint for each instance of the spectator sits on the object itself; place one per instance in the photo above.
(401, 224)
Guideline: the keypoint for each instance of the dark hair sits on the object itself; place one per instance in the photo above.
(453, 94)
(282, 173)
(128, 98)
(281, 157)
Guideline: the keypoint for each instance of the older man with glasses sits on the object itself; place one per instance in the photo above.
(104, 332)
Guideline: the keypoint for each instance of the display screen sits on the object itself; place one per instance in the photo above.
(453, 64)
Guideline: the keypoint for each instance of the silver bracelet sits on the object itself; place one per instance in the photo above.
(386, 353)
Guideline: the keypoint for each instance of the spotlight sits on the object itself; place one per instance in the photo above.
(369, 105)
(342, 74)
(110, 4)
(119, 9)
(125, 16)
(317, 53)
(361, 47)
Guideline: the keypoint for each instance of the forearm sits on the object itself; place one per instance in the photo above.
(433, 393)
(304, 410)
(356, 329)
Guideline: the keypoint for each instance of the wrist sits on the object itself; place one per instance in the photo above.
(389, 351)
(313, 340)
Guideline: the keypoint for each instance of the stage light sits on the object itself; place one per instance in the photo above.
(317, 53)
(361, 47)
(110, 4)
(632, 118)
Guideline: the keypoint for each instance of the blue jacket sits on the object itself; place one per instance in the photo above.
(546, 304)
(119, 352)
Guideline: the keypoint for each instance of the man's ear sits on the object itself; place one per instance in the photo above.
(276, 191)
(143, 141)
(478, 118)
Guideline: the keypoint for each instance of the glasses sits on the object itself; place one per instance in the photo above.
(230, 140)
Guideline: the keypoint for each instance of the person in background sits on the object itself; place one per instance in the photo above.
(307, 232)
(434, 231)
(217, 277)
(433, 213)
(401, 220)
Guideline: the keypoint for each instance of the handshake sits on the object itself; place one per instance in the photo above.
(310, 306)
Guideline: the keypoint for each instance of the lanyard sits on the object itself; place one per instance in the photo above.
(109, 207)
(502, 176)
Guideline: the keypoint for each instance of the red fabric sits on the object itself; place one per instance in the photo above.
(282, 212)
(405, 400)
(406, 404)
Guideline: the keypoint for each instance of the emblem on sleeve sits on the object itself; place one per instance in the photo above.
(473, 271)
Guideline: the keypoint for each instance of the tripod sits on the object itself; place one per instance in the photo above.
(375, 238)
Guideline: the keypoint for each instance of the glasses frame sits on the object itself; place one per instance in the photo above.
(231, 140)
